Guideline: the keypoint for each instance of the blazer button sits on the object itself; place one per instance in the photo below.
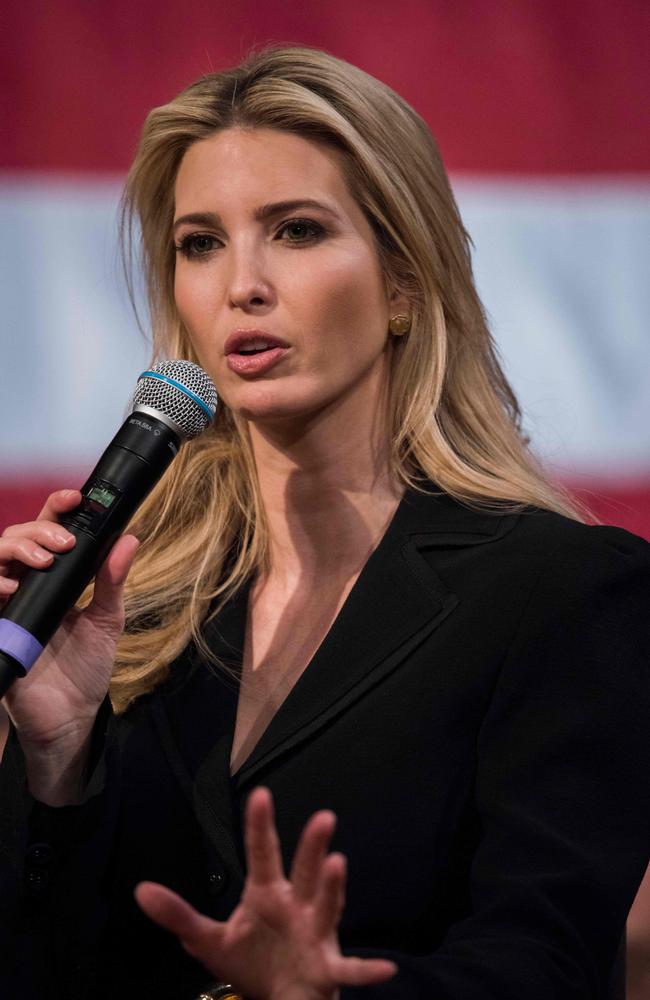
(36, 880)
(39, 854)
(217, 881)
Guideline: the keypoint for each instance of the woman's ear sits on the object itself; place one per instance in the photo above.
(397, 302)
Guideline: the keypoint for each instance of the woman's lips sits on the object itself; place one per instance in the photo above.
(256, 364)
(241, 340)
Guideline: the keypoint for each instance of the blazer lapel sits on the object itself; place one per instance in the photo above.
(396, 602)
(208, 699)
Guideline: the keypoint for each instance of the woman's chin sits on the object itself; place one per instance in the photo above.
(267, 406)
(299, 406)
(279, 415)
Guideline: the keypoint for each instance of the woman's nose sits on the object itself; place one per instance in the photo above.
(249, 285)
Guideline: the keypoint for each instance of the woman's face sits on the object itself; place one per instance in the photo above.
(274, 256)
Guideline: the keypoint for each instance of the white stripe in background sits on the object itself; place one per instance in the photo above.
(561, 267)
(71, 351)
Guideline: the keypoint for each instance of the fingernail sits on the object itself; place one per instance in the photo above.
(62, 536)
(42, 556)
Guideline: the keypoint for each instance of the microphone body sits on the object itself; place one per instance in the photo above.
(126, 473)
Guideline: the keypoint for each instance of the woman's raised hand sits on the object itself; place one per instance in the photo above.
(281, 942)
(56, 703)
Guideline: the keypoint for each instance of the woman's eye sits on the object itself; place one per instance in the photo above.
(301, 231)
(196, 244)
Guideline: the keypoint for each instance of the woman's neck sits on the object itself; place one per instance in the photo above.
(328, 498)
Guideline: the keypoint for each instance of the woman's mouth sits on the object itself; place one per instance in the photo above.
(255, 360)
(253, 352)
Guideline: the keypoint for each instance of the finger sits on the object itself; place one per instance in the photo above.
(27, 552)
(262, 843)
(49, 534)
(176, 915)
(20, 554)
(362, 971)
(330, 895)
(310, 853)
(59, 503)
(8, 586)
(108, 595)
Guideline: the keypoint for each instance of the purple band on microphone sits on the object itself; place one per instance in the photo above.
(19, 643)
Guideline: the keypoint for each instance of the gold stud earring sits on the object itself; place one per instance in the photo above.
(399, 325)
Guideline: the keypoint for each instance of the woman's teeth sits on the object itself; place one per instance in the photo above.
(254, 348)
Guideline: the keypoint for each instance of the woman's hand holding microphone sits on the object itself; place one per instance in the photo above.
(69, 656)
(54, 707)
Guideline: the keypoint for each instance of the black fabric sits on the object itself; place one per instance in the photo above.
(477, 717)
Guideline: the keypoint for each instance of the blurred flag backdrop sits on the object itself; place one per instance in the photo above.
(538, 108)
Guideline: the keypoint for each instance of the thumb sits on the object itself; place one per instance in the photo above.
(199, 935)
(108, 595)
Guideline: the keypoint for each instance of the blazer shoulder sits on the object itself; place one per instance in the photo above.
(589, 544)
(436, 518)
(598, 573)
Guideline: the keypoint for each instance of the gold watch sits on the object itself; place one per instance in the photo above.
(221, 991)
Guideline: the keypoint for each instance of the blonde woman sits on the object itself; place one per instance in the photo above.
(357, 601)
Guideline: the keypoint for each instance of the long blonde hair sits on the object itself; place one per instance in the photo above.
(453, 417)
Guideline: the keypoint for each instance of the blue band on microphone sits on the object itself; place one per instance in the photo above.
(183, 388)
(19, 643)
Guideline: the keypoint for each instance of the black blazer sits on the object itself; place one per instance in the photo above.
(477, 717)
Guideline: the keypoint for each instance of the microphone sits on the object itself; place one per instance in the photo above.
(173, 402)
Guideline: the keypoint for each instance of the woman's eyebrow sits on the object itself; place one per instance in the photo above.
(197, 219)
(279, 207)
(260, 214)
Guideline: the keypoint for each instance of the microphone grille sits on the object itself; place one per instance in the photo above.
(180, 391)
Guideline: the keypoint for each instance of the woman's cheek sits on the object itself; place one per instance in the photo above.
(352, 305)
(337, 290)
(196, 291)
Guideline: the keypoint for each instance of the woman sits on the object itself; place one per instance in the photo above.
(359, 593)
